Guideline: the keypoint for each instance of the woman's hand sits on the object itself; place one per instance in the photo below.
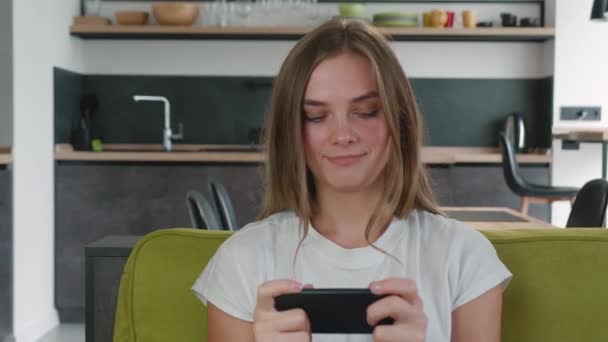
(270, 325)
(403, 305)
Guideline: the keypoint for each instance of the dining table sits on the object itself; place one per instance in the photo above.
(492, 218)
(586, 135)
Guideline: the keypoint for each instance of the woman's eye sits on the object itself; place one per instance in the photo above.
(314, 118)
(368, 114)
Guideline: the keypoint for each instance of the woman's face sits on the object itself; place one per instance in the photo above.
(346, 138)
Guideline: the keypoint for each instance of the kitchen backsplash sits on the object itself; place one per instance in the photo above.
(227, 110)
(471, 112)
(68, 88)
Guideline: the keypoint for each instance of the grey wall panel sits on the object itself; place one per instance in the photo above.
(6, 73)
(6, 259)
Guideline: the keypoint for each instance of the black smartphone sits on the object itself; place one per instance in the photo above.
(333, 311)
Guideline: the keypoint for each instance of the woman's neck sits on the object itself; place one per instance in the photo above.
(342, 217)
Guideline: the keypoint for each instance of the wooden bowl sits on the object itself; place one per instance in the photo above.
(131, 17)
(175, 13)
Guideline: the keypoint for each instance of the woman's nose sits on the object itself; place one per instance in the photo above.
(343, 132)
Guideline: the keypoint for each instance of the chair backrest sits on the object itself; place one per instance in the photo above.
(509, 165)
(558, 291)
(202, 214)
(224, 205)
(589, 208)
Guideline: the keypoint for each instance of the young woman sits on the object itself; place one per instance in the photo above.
(348, 205)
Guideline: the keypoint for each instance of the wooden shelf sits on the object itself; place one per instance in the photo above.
(530, 34)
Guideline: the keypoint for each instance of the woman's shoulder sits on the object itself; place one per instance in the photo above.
(432, 226)
(274, 227)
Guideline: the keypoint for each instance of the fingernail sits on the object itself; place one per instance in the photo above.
(309, 286)
(376, 287)
(297, 286)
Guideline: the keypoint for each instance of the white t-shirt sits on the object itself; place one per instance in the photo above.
(450, 262)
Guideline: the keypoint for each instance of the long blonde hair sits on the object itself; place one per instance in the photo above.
(289, 182)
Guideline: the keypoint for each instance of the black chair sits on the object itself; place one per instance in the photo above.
(529, 193)
(224, 205)
(589, 208)
(202, 214)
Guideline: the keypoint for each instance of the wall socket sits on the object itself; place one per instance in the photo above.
(581, 113)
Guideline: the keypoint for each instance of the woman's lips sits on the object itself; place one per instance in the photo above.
(346, 160)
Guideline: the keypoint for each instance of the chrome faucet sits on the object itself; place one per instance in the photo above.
(168, 135)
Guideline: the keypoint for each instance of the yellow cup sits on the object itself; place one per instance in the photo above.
(469, 18)
(427, 19)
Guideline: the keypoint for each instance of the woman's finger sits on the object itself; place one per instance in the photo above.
(391, 306)
(269, 290)
(291, 321)
(402, 287)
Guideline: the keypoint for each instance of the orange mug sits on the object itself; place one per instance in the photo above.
(438, 18)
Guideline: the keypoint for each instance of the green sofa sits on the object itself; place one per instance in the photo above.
(559, 291)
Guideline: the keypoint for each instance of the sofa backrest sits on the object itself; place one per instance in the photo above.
(558, 292)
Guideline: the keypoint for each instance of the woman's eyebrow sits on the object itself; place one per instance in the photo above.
(310, 102)
(366, 96)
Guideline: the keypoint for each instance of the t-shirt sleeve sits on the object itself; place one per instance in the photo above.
(228, 283)
(474, 267)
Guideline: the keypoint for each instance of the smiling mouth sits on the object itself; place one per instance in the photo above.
(346, 160)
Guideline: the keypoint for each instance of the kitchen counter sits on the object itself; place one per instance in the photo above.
(478, 155)
(5, 155)
(248, 154)
(155, 153)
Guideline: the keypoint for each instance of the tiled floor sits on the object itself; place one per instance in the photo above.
(65, 333)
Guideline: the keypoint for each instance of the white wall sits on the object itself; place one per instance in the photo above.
(581, 79)
(420, 60)
(41, 41)
(6, 73)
